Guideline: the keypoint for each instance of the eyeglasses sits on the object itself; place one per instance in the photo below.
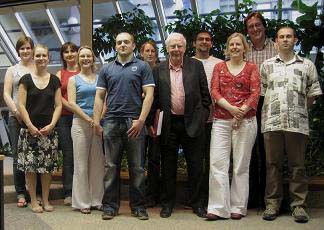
(256, 25)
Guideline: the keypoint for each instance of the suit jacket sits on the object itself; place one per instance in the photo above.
(197, 97)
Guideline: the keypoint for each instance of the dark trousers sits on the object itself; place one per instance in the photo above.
(66, 145)
(193, 150)
(257, 177)
(19, 176)
(116, 141)
(153, 169)
(205, 180)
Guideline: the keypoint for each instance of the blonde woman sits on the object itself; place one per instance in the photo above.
(88, 187)
(40, 105)
(235, 89)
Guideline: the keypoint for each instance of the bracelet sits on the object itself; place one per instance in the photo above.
(15, 112)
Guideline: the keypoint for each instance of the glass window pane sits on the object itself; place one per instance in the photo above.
(204, 7)
(101, 12)
(169, 6)
(68, 20)
(39, 26)
(11, 26)
(145, 5)
(4, 61)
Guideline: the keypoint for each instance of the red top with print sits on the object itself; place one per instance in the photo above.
(243, 88)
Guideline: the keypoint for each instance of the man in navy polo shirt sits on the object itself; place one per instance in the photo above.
(123, 82)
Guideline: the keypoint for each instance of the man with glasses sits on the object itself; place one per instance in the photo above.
(182, 94)
(261, 48)
(122, 83)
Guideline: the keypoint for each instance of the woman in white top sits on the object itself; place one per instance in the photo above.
(24, 48)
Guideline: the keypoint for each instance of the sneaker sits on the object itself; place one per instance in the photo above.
(108, 214)
(67, 201)
(300, 215)
(141, 214)
(269, 214)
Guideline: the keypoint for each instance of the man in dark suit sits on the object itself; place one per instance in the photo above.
(182, 94)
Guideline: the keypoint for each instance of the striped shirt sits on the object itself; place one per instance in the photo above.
(259, 56)
(177, 90)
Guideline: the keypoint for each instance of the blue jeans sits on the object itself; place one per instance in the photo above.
(66, 145)
(115, 140)
(19, 176)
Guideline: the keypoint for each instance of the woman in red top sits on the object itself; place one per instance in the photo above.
(235, 89)
(70, 67)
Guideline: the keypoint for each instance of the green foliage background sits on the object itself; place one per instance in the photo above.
(309, 28)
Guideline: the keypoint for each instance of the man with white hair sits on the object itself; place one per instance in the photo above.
(182, 94)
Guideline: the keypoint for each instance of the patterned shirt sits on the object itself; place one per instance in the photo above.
(286, 87)
(259, 56)
(243, 88)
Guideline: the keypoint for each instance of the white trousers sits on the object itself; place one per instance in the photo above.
(223, 199)
(89, 166)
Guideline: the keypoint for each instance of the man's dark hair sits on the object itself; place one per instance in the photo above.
(203, 31)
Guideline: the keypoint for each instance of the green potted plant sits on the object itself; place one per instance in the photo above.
(134, 22)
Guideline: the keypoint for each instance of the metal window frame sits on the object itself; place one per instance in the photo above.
(160, 18)
(54, 26)
(8, 47)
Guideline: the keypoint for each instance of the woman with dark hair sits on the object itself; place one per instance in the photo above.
(40, 105)
(70, 67)
(24, 48)
(89, 160)
(235, 89)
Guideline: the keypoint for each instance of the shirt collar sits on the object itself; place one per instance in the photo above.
(296, 58)
(172, 67)
(130, 61)
(266, 42)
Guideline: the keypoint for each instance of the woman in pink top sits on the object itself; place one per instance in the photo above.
(70, 68)
(235, 89)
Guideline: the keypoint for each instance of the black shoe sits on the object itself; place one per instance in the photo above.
(166, 212)
(108, 214)
(140, 214)
(200, 211)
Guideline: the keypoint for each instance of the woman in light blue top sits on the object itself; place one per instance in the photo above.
(88, 155)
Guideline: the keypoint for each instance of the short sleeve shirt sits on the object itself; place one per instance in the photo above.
(286, 87)
(123, 83)
(40, 102)
(238, 90)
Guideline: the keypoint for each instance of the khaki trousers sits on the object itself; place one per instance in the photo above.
(293, 144)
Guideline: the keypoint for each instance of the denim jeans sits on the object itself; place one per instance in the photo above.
(66, 145)
(19, 176)
(115, 142)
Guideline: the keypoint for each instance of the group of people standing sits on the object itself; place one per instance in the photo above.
(211, 109)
